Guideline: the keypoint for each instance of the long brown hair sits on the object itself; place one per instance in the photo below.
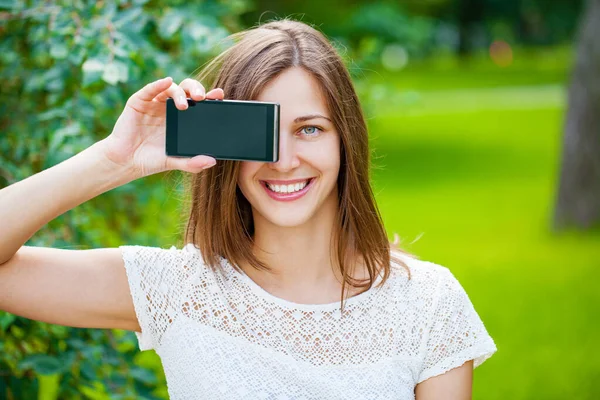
(220, 218)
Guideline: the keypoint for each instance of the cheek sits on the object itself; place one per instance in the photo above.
(324, 155)
(248, 170)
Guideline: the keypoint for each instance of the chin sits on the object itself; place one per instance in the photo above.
(287, 218)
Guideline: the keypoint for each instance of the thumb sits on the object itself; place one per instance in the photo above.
(193, 165)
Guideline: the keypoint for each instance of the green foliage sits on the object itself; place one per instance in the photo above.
(389, 23)
(422, 27)
(67, 71)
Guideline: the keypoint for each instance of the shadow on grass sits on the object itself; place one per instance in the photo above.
(419, 163)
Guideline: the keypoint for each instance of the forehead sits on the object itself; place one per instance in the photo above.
(297, 92)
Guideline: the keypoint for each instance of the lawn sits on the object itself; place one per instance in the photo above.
(466, 159)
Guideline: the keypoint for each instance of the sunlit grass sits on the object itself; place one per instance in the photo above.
(472, 174)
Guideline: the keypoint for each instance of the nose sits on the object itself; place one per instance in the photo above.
(288, 159)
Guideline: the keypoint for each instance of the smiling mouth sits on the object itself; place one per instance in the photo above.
(283, 191)
(295, 187)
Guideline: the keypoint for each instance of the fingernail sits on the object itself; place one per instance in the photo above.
(198, 92)
(210, 164)
(182, 100)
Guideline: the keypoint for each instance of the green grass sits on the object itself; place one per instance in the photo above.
(470, 169)
(531, 66)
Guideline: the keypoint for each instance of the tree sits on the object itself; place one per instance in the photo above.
(578, 200)
(470, 12)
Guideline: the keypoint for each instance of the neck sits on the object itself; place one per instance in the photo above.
(300, 257)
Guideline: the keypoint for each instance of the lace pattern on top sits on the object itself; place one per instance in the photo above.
(426, 324)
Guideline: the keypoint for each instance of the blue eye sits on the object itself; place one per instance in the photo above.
(314, 132)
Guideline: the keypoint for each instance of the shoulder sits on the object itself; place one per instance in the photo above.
(181, 262)
(429, 287)
(158, 279)
(423, 273)
(150, 253)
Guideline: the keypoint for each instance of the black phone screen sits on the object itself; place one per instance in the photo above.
(224, 129)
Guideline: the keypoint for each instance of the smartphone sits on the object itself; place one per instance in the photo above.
(224, 129)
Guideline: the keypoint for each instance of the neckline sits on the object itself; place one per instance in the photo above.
(258, 290)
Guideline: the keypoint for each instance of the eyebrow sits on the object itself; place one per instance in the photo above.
(309, 117)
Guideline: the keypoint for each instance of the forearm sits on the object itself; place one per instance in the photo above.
(27, 205)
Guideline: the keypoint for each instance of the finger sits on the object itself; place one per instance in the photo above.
(176, 93)
(193, 89)
(216, 93)
(193, 165)
(152, 89)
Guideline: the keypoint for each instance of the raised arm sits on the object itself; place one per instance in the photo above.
(83, 288)
(86, 288)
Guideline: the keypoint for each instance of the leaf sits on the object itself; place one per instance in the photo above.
(90, 77)
(76, 343)
(16, 331)
(52, 114)
(5, 320)
(145, 393)
(115, 72)
(42, 364)
(123, 71)
(54, 78)
(7, 4)
(169, 24)
(88, 371)
(60, 330)
(68, 359)
(56, 141)
(120, 51)
(48, 387)
(97, 392)
(92, 65)
(34, 82)
(143, 375)
(59, 50)
(111, 74)
(132, 16)
(115, 378)
(197, 29)
(76, 54)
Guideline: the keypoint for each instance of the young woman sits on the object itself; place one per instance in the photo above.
(287, 286)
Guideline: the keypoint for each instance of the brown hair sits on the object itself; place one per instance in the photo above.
(220, 218)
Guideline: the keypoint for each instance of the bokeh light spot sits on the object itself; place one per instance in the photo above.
(394, 57)
(501, 53)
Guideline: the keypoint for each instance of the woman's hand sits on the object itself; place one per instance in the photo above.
(138, 139)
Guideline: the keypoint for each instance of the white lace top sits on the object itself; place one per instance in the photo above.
(221, 336)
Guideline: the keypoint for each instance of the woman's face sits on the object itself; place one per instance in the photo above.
(293, 190)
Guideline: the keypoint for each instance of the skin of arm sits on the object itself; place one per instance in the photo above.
(456, 384)
(31, 203)
(81, 288)
(86, 288)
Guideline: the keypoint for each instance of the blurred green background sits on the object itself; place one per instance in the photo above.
(466, 102)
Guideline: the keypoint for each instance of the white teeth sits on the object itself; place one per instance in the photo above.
(288, 188)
